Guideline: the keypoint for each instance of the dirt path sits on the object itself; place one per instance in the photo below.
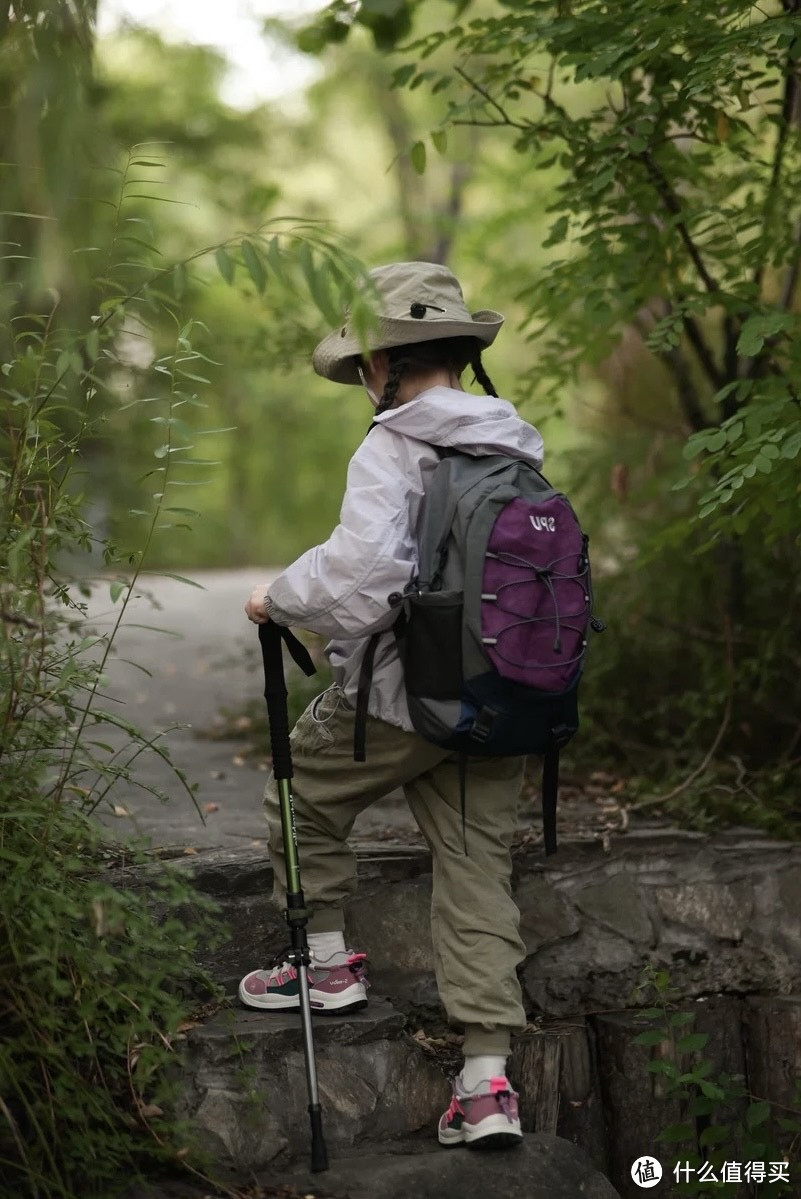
(205, 658)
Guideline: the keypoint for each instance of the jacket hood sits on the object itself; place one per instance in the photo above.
(461, 421)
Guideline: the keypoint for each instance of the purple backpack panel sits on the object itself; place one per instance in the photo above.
(535, 603)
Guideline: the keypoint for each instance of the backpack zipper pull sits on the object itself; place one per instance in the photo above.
(597, 625)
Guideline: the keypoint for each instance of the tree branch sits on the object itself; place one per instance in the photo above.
(482, 91)
(686, 390)
(461, 174)
(791, 279)
(671, 202)
(787, 109)
(696, 340)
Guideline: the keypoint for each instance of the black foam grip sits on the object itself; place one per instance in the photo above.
(271, 635)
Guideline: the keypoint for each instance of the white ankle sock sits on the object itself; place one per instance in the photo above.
(322, 945)
(481, 1068)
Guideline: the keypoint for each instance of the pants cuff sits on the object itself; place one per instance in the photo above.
(481, 1040)
(326, 920)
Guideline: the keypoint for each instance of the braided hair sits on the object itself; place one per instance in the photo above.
(455, 353)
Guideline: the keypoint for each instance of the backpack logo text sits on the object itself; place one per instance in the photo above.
(545, 523)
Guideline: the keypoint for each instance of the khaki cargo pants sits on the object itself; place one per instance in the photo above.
(474, 920)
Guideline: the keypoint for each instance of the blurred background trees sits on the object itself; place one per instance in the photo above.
(621, 181)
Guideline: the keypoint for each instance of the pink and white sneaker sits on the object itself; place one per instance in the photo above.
(337, 985)
(483, 1119)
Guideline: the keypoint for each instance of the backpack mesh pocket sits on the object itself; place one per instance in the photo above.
(433, 645)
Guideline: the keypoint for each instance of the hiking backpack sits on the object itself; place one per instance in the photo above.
(492, 630)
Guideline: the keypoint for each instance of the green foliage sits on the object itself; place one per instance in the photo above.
(93, 986)
(671, 139)
(675, 130)
(96, 345)
(721, 1120)
(693, 692)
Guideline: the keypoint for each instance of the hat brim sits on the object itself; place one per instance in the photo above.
(337, 355)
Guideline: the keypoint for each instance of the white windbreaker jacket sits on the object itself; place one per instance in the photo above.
(339, 589)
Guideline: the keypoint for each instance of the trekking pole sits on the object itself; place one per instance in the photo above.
(271, 635)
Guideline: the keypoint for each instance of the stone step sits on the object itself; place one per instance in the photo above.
(541, 1167)
(245, 1094)
(719, 913)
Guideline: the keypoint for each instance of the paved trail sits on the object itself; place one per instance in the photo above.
(206, 658)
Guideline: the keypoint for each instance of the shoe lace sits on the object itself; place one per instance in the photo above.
(281, 969)
(356, 965)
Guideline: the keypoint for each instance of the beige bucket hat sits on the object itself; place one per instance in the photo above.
(418, 301)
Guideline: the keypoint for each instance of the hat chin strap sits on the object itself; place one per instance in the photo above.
(374, 400)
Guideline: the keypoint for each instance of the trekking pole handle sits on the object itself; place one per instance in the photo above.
(271, 635)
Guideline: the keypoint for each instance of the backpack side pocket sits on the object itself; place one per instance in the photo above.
(432, 648)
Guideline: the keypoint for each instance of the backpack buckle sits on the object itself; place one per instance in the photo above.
(482, 725)
(560, 735)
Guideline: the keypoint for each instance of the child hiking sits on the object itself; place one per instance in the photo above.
(425, 340)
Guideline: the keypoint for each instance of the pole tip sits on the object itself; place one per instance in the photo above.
(319, 1153)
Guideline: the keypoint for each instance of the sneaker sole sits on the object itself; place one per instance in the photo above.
(273, 1003)
(342, 1009)
(492, 1133)
(486, 1140)
(495, 1140)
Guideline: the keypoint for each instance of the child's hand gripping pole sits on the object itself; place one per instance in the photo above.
(271, 635)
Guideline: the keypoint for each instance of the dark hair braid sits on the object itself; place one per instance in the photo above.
(390, 392)
(456, 353)
(480, 375)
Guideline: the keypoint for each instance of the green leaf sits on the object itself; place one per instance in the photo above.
(116, 589)
(652, 1036)
(695, 445)
(165, 574)
(225, 264)
(418, 157)
(692, 1042)
(317, 284)
(402, 75)
(676, 1132)
(714, 1134)
(760, 327)
(274, 260)
(659, 1065)
(440, 140)
(179, 280)
(678, 1019)
(792, 446)
(757, 1113)
(255, 267)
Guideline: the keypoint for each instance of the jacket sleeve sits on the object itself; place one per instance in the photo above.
(340, 588)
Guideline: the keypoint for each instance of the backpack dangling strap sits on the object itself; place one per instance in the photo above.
(550, 788)
(463, 795)
(362, 696)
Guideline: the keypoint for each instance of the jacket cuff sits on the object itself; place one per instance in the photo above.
(275, 614)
